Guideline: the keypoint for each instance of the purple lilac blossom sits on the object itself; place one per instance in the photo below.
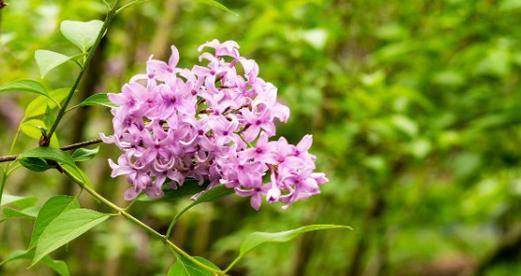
(211, 123)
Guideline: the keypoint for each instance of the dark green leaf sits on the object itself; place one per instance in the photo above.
(34, 164)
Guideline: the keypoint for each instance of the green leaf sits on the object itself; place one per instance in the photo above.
(39, 105)
(17, 255)
(184, 267)
(30, 86)
(81, 34)
(17, 200)
(49, 153)
(83, 154)
(189, 188)
(76, 173)
(48, 60)
(58, 266)
(208, 195)
(35, 164)
(30, 212)
(213, 194)
(49, 211)
(257, 238)
(33, 128)
(218, 5)
(97, 99)
(65, 228)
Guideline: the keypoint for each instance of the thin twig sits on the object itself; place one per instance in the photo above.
(12, 157)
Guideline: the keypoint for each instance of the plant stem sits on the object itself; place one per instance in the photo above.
(147, 228)
(90, 56)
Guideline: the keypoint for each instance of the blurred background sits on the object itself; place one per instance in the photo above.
(414, 106)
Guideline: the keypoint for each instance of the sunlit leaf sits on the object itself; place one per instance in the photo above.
(48, 60)
(81, 34)
(64, 228)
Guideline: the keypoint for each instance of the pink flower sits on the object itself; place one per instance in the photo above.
(211, 123)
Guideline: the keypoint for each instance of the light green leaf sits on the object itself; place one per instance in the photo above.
(33, 129)
(39, 105)
(81, 34)
(49, 211)
(48, 60)
(58, 266)
(83, 154)
(17, 200)
(30, 86)
(30, 212)
(217, 4)
(97, 99)
(65, 228)
(257, 238)
(185, 267)
(17, 255)
(76, 173)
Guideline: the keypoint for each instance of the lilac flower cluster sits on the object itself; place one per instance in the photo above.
(210, 123)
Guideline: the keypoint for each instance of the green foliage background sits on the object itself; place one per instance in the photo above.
(414, 106)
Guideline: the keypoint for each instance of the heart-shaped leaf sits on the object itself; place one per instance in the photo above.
(184, 267)
(49, 211)
(81, 34)
(64, 228)
(48, 60)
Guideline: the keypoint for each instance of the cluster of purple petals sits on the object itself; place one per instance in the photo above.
(211, 123)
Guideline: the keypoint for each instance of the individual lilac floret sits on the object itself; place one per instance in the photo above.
(211, 123)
